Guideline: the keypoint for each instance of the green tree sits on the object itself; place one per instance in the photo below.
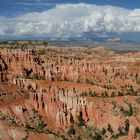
(81, 121)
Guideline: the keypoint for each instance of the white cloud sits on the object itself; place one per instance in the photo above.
(73, 20)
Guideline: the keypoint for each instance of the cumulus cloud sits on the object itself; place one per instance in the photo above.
(68, 20)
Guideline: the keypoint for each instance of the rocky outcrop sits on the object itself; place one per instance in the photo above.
(63, 84)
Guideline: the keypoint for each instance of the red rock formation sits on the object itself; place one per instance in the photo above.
(61, 83)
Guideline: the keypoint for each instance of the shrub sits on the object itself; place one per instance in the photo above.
(120, 93)
(127, 124)
(120, 131)
(110, 129)
(71, 130)
(103, 131)
(137, 130)
(81, 121)
(97, 136)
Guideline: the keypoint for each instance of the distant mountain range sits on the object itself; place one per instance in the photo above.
(84, 37)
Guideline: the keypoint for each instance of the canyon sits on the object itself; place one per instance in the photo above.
(68, 93)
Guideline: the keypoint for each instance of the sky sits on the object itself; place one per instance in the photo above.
(16, 7)
(68, 18)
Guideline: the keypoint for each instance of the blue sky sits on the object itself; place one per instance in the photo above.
(16, 7)
(69, 18)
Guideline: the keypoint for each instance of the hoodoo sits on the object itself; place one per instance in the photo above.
(68, 92)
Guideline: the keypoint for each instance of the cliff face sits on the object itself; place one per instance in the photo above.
(68, 86)
(3, 70)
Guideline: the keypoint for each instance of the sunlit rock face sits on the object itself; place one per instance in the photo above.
(64, 86)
